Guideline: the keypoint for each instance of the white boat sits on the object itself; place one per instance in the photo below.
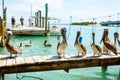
(22, 30)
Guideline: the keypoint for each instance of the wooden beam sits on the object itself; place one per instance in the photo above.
(46, 63)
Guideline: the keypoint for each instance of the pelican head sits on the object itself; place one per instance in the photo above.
(93, 34)
(116, 36)
(104, 36)
(63, 33)
(78, 35)
(9, 35)
(46, 44)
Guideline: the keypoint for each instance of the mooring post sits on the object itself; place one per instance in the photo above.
(104, 69)
(46, 16)
(1, 76)
(104, 49)
(2, 33)
(43, 22)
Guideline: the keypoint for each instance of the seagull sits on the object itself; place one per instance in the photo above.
(61, 47)
(79, 46)
(29, 43)
(96, 48)
(116, 37)
(108, 45)
(46, 44)
(12, 49)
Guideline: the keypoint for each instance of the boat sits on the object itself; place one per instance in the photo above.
(38, 25)
(22, 30)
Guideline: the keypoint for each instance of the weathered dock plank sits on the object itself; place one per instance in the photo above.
(3, 63)
(45, 63)
(37, 59)
(11, 61)
(29, 60)
(20, 61)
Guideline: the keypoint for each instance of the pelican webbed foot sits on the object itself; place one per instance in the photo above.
(10, 55)
(97, 54)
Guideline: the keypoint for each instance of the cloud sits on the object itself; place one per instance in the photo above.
(23, 7)
(62, 8)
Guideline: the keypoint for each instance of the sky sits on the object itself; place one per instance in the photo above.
(63, 9)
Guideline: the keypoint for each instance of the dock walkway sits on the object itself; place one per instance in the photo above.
(46, 63)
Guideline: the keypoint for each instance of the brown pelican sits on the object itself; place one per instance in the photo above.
(80, 47)
(12, 49)
(108, 45)
(96, 48)
(46, 44)
(29, 43)
(61, 47)
(116, 37)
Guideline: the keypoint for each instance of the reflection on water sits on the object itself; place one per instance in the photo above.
(38, 49)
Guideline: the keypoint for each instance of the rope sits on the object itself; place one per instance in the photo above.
(93, 28)
(80, 25)
(117, 23)
(69, 27)
(22, 77)
(98, 17)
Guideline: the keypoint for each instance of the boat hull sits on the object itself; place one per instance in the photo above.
(35, 31)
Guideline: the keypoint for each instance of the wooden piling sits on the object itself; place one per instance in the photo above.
(104, 49)
(5, 17)
(104, 69)
(2, 32)
(2, 77)
(43, 22)
(46, 16)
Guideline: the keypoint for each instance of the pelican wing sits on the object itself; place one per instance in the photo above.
(61, 47)
(15, 49)
(110, 47)
(83, 47)
(58, 45)
(99, 48)
(119, 43)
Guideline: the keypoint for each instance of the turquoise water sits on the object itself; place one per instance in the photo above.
(38, 49)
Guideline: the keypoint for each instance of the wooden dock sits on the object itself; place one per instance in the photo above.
(45, 63)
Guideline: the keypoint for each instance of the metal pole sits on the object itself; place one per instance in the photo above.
(46, 16)
(31, 10)
(3, 7)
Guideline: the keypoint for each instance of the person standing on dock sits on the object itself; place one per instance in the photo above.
(22, 21)
(13, 22)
